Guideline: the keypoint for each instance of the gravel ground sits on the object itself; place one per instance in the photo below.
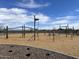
(8, 51)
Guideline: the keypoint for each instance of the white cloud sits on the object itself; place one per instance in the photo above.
(17, 16)
(66, 17)
(42, 18)
(31, 4)
(71, 20)
(12, 11)
(14, 17)
(60, 22)
(46, 27)
(77, 10)
(63, 20)
(75, 25)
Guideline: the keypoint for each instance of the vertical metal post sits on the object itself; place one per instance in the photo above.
(67, 30)
(34, 29)
(38, 30)
(6, 32)
(73, 31)
(24, 31)
(59, 30)
(72, 35)
(53, 33)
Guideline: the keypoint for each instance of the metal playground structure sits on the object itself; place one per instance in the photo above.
(6, 30)
(34, 31)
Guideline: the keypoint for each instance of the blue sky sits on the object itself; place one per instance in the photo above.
(50, 12)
